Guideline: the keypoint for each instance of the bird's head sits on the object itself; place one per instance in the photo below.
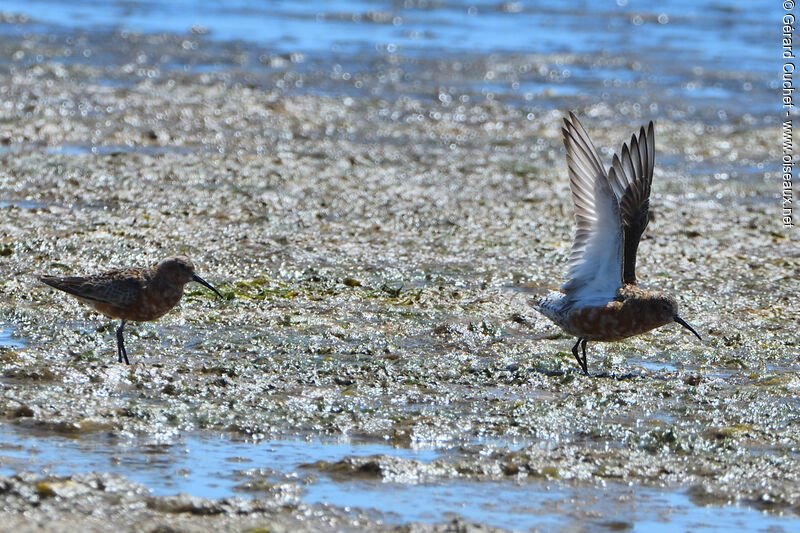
(666, 308)
(180, 270)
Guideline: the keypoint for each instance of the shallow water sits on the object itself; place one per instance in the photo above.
(200, 466)
(220, 468)
(703, 31)
(7, 338)
(702, 56)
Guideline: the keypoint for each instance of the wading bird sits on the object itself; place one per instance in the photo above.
(135, 294)
(600, 300)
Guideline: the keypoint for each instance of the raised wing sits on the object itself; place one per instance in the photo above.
(595, 263)
(630, 177)
(113, 287)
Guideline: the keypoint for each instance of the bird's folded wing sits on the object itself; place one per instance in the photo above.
(595, 262)
(630, 177)
(112, 287)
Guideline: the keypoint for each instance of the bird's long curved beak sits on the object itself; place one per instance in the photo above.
(201, 281)
(685, 324)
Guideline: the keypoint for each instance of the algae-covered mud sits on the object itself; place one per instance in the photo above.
(378, 221)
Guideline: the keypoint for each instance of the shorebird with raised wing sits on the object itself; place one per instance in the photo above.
(136, 294)
(601, 300)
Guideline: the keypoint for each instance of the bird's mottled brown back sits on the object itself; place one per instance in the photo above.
(120, 287)
(635, 311)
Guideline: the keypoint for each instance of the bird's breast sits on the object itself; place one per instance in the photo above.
(614, 321)
(152, 304)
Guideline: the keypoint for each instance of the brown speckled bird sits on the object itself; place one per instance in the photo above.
(136, 294)
(601, 300)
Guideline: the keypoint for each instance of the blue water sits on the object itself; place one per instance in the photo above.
(735, 34)
(7, 338)
(703, 54)
(217, 467)
(199, 466)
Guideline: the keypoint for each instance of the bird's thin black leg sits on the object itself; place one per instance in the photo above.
(578, 357)
(121, 352)
(584, 365)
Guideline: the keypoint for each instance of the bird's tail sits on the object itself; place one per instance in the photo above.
(551, 305)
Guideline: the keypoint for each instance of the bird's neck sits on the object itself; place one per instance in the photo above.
(169, 290)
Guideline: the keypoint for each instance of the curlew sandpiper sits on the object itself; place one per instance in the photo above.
(600, 300)
(135, 294)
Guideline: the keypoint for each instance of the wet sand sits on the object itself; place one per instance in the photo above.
(377, 258)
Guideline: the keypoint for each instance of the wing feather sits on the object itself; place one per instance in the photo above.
(631, 176)
(114, 287)
(594, 268)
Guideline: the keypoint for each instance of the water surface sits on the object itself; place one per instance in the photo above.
(219, 468)
(703, 57)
